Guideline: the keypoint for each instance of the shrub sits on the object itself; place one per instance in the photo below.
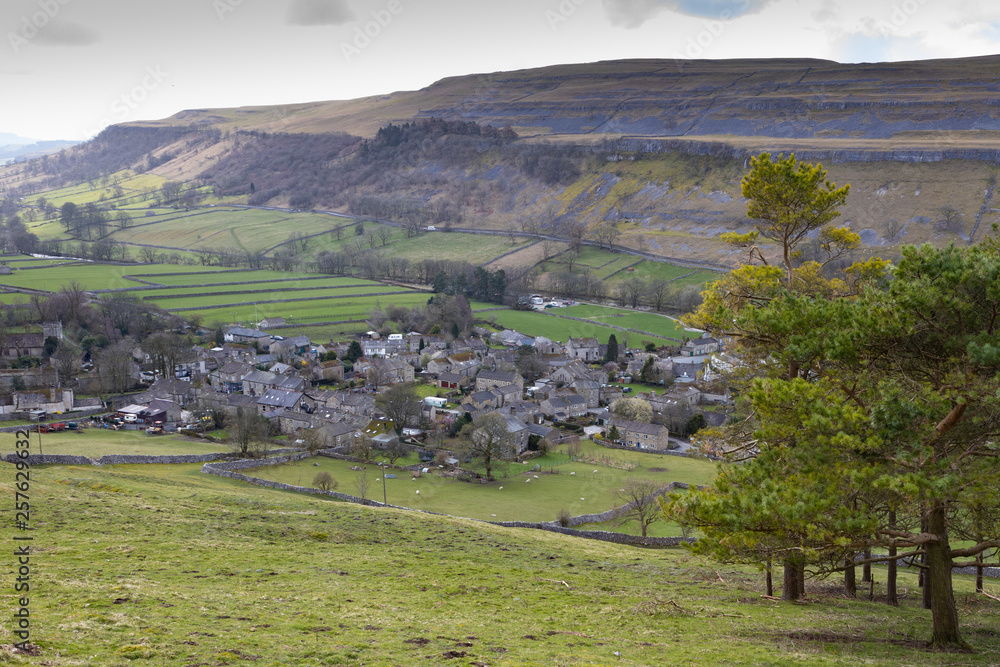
(324, 481)
(563, 518)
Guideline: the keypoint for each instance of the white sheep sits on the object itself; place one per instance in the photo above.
(501, 488)
(572, 473)
(527, 480)
(418, 492)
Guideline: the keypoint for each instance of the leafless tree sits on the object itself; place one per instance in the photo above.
(639, 497)
(114, 366)
(488, 441)
(400, 404)
(248, 431)
(384, 233)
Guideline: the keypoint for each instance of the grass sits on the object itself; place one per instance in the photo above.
(98, 442)
(194, 300)
(90, 276)
(306, 312)
(540, 324)
(226, 228)
(677, 275)
(629, 319)
(583, 492)
(163, 565)
(473, 248)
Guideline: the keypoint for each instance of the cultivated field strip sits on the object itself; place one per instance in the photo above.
(331, 292)
(310, 298)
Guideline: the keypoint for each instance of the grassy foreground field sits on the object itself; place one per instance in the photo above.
(157, 565)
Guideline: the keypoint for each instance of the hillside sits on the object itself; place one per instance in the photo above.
(164, 565)
(654, 148)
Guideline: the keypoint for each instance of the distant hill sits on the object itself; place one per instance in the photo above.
(6, 138)
(656, 148)
(14, 151)
(800, 99)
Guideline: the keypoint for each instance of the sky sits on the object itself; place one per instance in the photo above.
(68, 68)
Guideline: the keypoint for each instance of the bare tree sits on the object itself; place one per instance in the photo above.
(248, 431)
(362, 484)
(384, 233)
(487, 441)
(400, 404)
(630, 291)
(639, 498)
(114, 366)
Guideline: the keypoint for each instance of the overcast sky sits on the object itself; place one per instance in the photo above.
(70, 67)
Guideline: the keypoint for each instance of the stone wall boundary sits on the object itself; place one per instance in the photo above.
(228, 469)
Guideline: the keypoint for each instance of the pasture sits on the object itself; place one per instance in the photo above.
(97, 442)
(581, 487)
(536, 323)
(630, 319)
(475, 249)
(163, 565)
(91, 276)
(222, 227)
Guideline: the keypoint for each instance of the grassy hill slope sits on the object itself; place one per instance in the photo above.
(162, 565)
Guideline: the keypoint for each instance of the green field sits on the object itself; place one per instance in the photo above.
(97, 442)
(90, 276)
(629, 319)
(231, 284)
(676, 275)
(305, 312)
(555, 328)
(539, 499)
(217, 228)
(84, 193)
(163, 565)
(472, 248)
(192, 300)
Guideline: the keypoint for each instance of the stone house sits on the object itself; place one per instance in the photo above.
(700, 346)
(488, 379)
(247, 336)
(563, 407)
(587, 350)
(640, 435)
(278, 399)
(298, 346)
(15, 346)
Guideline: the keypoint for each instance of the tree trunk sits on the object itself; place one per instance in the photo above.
(850, 578)
(944, 615)
(979, 573)
(801, 573)
(890, 579)
(790, 584)
(769, 579)
(866, 571)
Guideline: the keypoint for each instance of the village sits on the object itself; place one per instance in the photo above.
(327, 395)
